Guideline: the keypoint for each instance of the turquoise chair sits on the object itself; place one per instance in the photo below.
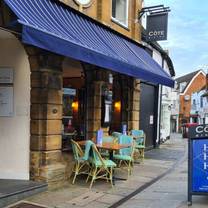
(116, 134)
(139, 137)
(100, 168)
(108, 139)
(126, 155)
(81, 165)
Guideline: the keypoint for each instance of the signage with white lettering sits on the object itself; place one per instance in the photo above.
(197, 161)
(157, 27)
(198, 131)
(6, 75)
(200, 165)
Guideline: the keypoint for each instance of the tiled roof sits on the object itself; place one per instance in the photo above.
(186, 78)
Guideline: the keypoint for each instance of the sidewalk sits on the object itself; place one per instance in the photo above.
(156, 163)
(169, 192)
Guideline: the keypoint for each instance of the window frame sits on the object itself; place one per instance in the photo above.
(126, 26)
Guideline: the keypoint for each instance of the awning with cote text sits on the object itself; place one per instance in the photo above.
(50, 25)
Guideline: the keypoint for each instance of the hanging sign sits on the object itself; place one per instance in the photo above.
(156, 27)
(197, 161)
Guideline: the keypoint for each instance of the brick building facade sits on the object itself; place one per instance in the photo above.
(187, 85)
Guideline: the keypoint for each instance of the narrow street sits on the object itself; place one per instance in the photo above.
(170, 191)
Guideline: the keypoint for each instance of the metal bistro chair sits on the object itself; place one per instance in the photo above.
(116, 134)
(81, 165)
(101, 168)
(139, 137)
(108, 139)
(126, 155)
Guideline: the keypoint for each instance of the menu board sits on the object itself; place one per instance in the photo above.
(200, 165)
(6, 101)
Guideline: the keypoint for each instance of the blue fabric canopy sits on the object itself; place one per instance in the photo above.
(49, 25)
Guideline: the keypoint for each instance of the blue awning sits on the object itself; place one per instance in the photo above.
(49, 25)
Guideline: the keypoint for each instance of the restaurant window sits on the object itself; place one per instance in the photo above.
(201, 102)
(120, 12)
(182, 86)
(72, 119)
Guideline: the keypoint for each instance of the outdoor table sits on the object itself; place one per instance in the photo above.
(110, 147)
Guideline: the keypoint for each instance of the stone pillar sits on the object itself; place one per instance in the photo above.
(46, 117)
(134, 105)
(95, 80)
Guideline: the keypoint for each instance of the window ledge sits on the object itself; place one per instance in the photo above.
(119, 23)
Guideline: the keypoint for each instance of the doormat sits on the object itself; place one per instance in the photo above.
(26, 205)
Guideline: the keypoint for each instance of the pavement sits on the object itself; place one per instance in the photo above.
(159, 181)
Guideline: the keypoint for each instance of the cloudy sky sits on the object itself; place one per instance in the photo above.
(187, 34)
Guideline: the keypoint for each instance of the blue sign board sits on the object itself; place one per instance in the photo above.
(124, 129)
(197, 161)
(200, 165)
(99, 136)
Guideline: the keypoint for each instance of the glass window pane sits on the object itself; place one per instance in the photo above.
(114, 8)
(119, 10)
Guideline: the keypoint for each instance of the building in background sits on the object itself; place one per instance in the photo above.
(166, 102)
(175, 105)
(158, 97)
(187, 85)
(199, 107)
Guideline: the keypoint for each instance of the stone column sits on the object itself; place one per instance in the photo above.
(95, 79)
(46, 117)
(134, 105)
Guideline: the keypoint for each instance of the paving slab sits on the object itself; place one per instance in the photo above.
(109, 198)
(162, 193)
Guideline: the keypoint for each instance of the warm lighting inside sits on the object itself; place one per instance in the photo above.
(75, 105)
(117, 106)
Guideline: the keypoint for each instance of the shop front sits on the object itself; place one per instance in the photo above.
(82, 79)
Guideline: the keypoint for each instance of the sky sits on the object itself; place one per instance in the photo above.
(187, 34)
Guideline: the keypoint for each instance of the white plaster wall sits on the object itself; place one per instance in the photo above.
(15, 131)
(166, 104)
(157, 57)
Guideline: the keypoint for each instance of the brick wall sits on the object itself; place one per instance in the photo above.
(185, 106)
(101, 11)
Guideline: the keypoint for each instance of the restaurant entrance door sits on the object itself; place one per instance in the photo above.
(148, 113)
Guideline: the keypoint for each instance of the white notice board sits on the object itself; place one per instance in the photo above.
(6, 75)
(6, 101)
(151, 119)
